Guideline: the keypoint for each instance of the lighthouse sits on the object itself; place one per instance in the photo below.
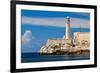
(67, 34)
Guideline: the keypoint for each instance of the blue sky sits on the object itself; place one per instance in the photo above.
(38, 26)
(37, 13)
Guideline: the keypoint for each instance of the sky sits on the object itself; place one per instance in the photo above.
(38, 26)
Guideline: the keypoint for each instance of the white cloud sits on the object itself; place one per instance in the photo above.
(58, 22)
(26, 38)
(30, 43)
(77, 22)
(44, 21)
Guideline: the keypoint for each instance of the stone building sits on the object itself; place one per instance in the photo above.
(54, 45)
(82, 39)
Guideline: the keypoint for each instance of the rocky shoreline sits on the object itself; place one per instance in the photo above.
(75, 53)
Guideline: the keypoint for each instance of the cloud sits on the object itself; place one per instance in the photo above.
(77, 22)
(43, 21)
(57, 22)
(26, 38)
(30, 43)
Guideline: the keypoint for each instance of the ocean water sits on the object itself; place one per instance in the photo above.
(36, 57)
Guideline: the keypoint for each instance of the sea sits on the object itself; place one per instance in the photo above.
(36, 57)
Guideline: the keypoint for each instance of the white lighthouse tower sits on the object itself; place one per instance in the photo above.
(67, 34)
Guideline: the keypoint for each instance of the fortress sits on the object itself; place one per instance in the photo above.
(80, 42)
